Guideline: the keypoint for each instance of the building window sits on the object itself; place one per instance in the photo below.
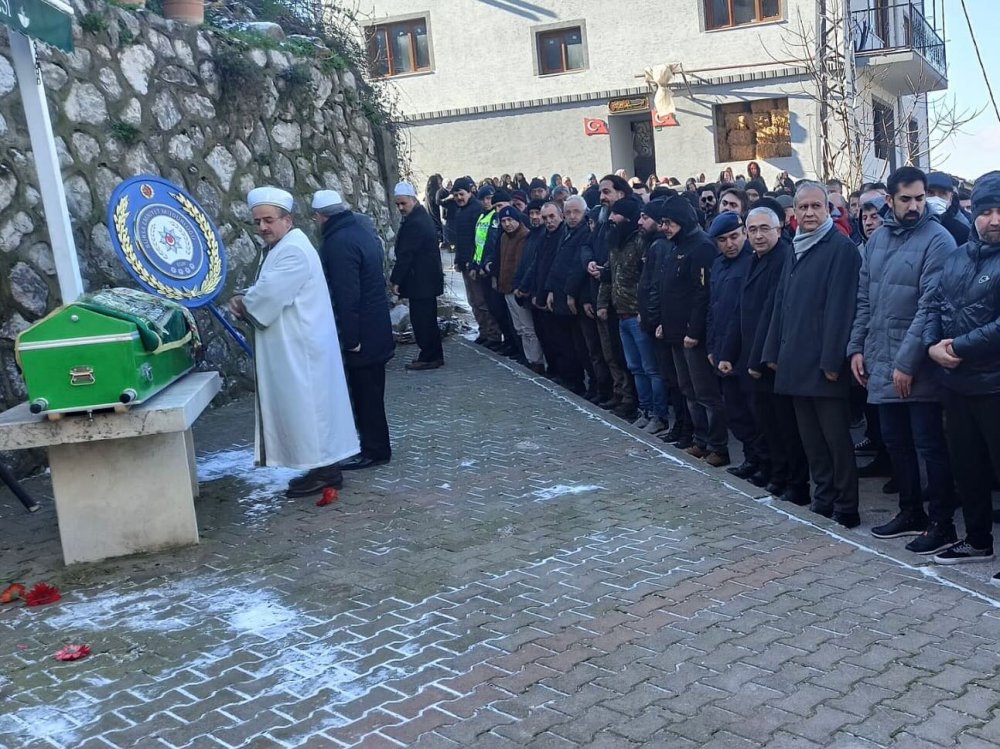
(721, 14)
(398, 48)
(560, 51)
(913, 138)
(884, 127)
(749, 130)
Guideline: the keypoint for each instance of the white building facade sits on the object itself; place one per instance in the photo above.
(488, 87)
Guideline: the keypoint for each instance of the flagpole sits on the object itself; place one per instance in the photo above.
(43, 146)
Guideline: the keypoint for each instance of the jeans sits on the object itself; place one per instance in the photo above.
(913, 431)
(972, 423)
(641, 360)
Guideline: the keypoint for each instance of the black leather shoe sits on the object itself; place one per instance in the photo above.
(743, 471)
(847, 519)
(359, 462)
(775, 489)
(760, 479)
(798, 497)
(315, 482)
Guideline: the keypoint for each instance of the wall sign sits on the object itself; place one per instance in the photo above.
(628, 105)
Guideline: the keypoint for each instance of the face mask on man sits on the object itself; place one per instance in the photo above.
(937, 205)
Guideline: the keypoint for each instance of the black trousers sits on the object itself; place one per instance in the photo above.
(741, 420)
(775, 415)
(571, 357)
(592, 339)
(423, 318)
(825, 428)
(972, 426)
(497, 304)
(366, 386)
(668, 371)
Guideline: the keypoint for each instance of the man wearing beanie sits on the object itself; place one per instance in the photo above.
(679, 302)
(514, 225)
(463, 226)
(806, 347)
(620, 289)
(963, 337)
(657, 248)
(417, 275)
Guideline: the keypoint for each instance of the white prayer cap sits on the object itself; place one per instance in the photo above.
(270, 196)
(326, 199)
(404, 190)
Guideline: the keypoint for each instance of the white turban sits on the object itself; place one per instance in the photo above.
(270, 196)
(404, 190)
(327, 199)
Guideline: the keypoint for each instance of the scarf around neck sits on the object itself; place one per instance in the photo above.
(806, 240)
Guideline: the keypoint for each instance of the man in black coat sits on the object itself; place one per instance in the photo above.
(806, 346)
(743, 348)
(962, 336)
(353, 260)
(418, 276)
(464, 225)
(679, 303)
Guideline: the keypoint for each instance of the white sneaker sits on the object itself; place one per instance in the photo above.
(642, 421)
(655, 426)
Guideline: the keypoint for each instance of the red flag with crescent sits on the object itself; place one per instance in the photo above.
(667, 120)
(594, 127)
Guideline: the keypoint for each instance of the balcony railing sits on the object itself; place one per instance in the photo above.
(893, 26)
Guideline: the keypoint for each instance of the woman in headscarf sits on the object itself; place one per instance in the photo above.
(554, 182)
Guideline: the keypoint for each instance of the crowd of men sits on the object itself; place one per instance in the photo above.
(728, 308)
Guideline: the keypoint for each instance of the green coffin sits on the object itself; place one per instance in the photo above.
(113, 348)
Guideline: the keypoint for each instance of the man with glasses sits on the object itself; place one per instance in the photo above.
(774, 414)
(708, 201)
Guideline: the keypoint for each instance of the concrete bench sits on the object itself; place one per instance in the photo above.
(123, 483)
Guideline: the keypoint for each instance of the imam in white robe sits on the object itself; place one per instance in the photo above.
(304, 417)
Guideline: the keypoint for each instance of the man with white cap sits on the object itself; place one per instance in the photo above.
(303, 409)
(418, 276)
(353, 263)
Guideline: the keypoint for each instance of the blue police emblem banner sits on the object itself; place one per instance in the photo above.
(166, 241)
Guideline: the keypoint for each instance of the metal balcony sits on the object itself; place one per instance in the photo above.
(895, 44)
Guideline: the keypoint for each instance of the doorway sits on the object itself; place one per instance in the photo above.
(632, 145)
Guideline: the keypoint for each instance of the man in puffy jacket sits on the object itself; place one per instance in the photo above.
(899, 272)
(963, 336)
(679, 303)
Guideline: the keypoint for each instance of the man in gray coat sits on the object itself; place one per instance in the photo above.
(806, 345)
(900, 270)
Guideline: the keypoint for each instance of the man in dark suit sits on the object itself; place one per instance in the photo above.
(806, 346)
(418, 276)
(353, 265)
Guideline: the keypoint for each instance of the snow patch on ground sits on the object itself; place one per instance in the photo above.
(265, 486)
(561, 490)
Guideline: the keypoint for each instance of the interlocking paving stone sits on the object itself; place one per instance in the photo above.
(527, 571)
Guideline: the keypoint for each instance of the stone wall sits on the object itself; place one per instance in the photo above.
(143, 95)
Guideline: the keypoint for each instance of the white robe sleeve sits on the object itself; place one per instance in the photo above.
(277, 286)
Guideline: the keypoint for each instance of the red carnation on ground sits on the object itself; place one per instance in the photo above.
(42, 594)
(72, 653)
(11, 593)
(329, 497)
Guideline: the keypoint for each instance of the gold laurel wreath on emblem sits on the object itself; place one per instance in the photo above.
(211, 280)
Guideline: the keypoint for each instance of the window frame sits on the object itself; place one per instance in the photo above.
(539, 33)
(711, 25)
(387, 27)
(888, 126)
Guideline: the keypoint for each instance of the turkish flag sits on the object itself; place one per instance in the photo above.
(666, 121)
(594, 127)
